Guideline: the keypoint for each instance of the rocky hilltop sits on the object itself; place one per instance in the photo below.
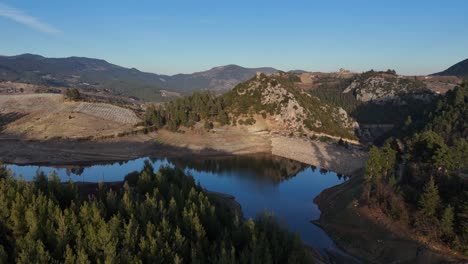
(287, 107)
(383, 87)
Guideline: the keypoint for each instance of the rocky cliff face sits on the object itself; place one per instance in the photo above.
(381, 88)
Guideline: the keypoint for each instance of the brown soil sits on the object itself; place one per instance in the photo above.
(371, 236)
(45, 116)
(440, 84)
(232, 140)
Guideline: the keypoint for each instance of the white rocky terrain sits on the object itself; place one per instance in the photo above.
(386, 87)
(290, 108)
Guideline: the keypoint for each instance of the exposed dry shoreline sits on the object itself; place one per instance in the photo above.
(169, 144)
(328, 156)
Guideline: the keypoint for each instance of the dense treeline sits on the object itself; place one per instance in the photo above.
(153, 218)
(388, 113)
(187, 111)
(331, 91)
(420, 179)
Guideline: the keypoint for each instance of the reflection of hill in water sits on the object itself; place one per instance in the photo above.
(270, 168)
(265, 168)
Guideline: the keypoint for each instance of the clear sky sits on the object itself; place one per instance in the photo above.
(413, 37)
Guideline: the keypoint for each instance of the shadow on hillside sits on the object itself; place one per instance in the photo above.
(7, 118)
(343, 160)
(19, 150)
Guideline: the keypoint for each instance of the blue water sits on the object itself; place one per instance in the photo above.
(284, 187)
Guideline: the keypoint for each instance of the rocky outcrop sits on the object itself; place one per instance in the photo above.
(386, 88)
(291, 108)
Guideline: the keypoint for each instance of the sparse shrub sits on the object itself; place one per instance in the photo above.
(250, 121)
(73, 94)
(324, 139)
(341, 142)
(208, 125)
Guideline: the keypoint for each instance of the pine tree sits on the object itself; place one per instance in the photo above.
(430, 199)
(70, 257)
(389, 156)
(374, 165)
(447, 220)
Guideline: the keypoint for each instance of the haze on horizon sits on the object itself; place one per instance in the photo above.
(417, 37)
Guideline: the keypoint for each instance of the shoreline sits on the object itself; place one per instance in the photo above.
(359, 234)
(163, 144)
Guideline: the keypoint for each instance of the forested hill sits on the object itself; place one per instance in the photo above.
(271, 98)
(421, 178)
(161, 217)
(96, 74)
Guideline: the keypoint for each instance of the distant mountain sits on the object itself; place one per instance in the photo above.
(297, 71)
(96, 74)
(220, 78)
(460, 70)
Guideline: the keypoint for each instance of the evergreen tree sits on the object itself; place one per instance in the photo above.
(374, 165)
(430, 200)
(155, 218)
(447, 220)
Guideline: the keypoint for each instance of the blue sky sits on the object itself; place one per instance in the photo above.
(413, 37)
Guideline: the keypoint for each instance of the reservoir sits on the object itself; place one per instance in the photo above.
(281, 186)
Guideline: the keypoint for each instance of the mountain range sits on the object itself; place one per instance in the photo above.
(96, 74)
(99, 75)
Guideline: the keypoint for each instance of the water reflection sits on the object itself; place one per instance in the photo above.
(265, 168)
(285, 187)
